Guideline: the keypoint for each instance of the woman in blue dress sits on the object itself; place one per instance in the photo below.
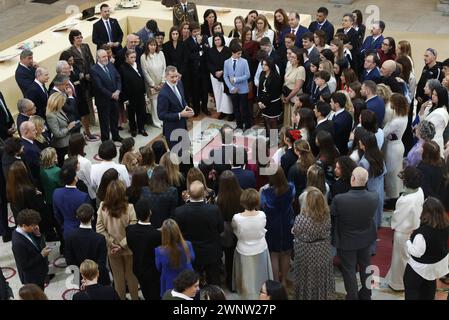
(373, 161)
(276, 201)
(173, 256)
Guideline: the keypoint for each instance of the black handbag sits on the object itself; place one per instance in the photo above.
(286, 91)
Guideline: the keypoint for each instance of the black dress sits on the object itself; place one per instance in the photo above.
(80, 91)
(176, 57)
(269, 93)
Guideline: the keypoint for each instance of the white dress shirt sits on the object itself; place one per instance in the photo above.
(99, 169)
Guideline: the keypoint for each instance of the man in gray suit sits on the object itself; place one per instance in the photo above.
(353, 233)
(307, 42)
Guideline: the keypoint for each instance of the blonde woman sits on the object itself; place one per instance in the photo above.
(170, 162)
(59, 124)
(114, 215)
(384, 92)
(131, 162)
(314, 272)
(403, 48)
(42, 139)
(49, 173)
(239, 23)
(262, 29)
(153, 67)
(295, 76)
(173, 256)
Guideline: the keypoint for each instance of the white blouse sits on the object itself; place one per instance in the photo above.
(153, 68)
(407, 214)
(269, 33)
(250, 232)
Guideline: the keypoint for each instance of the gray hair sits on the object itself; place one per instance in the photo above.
(26, 53)
(100, 52)
(361, 177)
(60, 79)
(426, 130)
(25, 127)
(22, 105)
(60, 65)
(170, 69)
(351, 17)
(432, 84)
(40, 71)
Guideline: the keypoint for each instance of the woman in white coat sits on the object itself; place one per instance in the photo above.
(153, 68)
(438, 115)
(393, 146)
(405, 219)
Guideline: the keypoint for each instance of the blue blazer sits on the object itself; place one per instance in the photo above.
(298, 42)
(342, 127)
(24, 77)
(65, 203)
(370, 46)
(246, 178)
(168, 274)
(31, 155)
(374, 75)
(40, 99)
(241, 75)
(103, 86)
(327, 27)
(169, 107)
(377, 105)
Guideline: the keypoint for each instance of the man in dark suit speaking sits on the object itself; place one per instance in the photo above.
(107, 87)
(354, 232)
(172, 107)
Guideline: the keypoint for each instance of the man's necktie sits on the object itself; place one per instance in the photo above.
(185, 8)
(109, 30)
(293, 31)
(106, 70)
(178, 95)
(2, 105)
(234, 65)
(45, 89)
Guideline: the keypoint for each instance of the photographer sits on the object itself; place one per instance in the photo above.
(60, 125)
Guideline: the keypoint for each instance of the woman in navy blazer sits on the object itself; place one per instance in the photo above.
(173, 256)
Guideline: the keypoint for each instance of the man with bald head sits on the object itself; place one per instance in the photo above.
(389, 72)
(31, 152)
(132, 43)
(202, 224)
(107, 86)
(354, 231)
(37, 91)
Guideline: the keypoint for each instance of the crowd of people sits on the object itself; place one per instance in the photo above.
(359, 134)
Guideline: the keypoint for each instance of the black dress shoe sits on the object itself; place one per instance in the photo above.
(117, 139)
(222, 116)
(144, 133)
(133, 133)
(231, 117)
(6, 238)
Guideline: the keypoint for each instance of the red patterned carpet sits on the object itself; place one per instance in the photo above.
(382, 259)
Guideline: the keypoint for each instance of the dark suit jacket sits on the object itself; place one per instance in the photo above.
(299, 32)
(31, 265)
(246, 178)
(352, 38)
(395, 86)
(176, 57)
(40, 99)
(373, 75)
(168, 109)
(342, 127)
(31, 155)
(133, 84)
(82, 244)
(202, 225)
(143, 240)
(96, 292)
(353, 219)
(288, 160)
(327, 27)
(100, 34)
(369, 46)
(103, 86)
(326, 126)
(5, 124)
(194, 59)
(120, 57)
(24, 77)
(377, 105)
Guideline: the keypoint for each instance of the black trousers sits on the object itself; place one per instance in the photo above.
(416, 287)
(241, 110)
(150, 287)
(108, 118)
(136, 110)
(229, 264)
(4, 228)
(350, 260)
(212, 271)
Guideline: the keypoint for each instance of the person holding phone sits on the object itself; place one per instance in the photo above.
(172, 107)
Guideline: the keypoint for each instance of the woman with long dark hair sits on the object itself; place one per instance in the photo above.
(343, 172)
(373, 161)
(228, 200)
(280, 24)
(428, 251)
(359, 26)
(250, 19)
(174, 51)
(432, 170)
(328, 154)
(298, 172)
(387, 51)
(269, 94)
(108, 176)
(139, 181)
(210, 17)
(276, 201)
(162, 197)
(239, 24)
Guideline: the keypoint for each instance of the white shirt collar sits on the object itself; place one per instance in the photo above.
(321, 24)
(85, 226)
(24, 65)
(104, 21)
(310, 49)
(144, 223)
(197, 201)
(338, 112)
(370, 98)
(321, 121)
(30, 141)
(377, 37)
(71, 187)
(180, 295)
